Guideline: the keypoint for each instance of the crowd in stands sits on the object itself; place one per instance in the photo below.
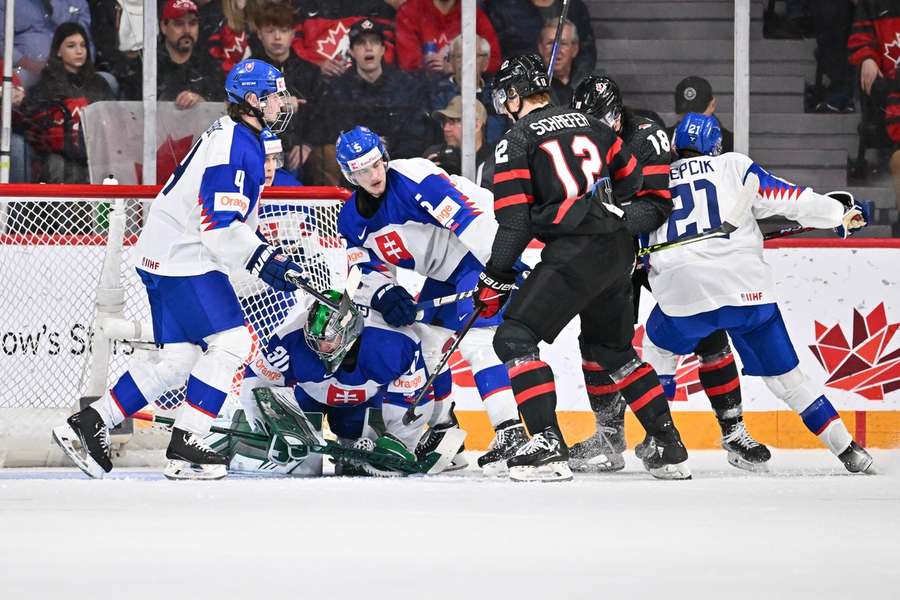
(394, 65)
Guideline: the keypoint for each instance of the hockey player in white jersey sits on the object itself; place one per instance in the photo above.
(200, 227)
(724, 283)
(410, 214)
(351, 371)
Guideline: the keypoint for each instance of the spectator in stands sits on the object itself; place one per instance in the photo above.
(230, 44)
(322, 34)
(183, 74)
(383, 98)
(424, 31)
(18, 151)
(53, 107)
(519, 22)
(873, 47)
(562, 86)
(35, 22)
(448, 86)
(275, 30)
(117, 28)
(694, 95)
(447, 155)
(832, 21)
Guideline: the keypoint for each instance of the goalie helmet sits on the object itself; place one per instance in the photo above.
(522, 76)
(258, 77)
(698, 133)
(330, 336)
(599, 97)
(358, 149)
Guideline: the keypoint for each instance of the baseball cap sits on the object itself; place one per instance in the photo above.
(692, 94)
(454, 110)
(364, 26)
(175, 9)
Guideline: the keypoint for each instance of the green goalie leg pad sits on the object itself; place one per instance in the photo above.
(278, 404)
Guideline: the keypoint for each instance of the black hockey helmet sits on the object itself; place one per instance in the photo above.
(599, 97)
(523, 75)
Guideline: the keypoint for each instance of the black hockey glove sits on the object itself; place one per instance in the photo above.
(270, 264)
(396, 305)
(494, 288)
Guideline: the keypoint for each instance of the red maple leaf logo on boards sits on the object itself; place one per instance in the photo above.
(892, 50)
(863, 368)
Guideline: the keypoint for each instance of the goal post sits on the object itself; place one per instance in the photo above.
(66, 260)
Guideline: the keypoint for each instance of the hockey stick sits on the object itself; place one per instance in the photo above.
(780, 233)
(169, 422)
(729, 223)
(559, 28)
(444, 300)
(410, 415)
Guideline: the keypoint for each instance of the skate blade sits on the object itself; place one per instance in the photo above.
(869, 469)
(678, 471)
(735, 460)
(601, 463)
(65, 437)
(178, 470)
(549, 473)
(497, 468)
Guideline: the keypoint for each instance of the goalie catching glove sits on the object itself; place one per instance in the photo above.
(494, 288)
(856, 215)
(271, 265)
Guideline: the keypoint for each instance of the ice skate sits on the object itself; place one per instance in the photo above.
(664, 455)
(190, 458)
(744, 452)
(91, 432)
(509, 438)
(857, 460)
(544, 457)
(602, 452)
(432, 439)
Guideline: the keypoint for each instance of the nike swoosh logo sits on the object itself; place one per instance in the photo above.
(882, 13)
(362, 235)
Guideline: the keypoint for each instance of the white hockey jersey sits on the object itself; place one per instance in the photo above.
(205, 217)
(427, 221)
(726, 271)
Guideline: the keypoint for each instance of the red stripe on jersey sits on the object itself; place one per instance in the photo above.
(564, 208)
(613, 150)
(513, 174)
(626, 170)
(655, 170)
(661, 193)
(511, 200)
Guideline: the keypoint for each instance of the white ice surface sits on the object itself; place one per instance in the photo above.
(806, 530)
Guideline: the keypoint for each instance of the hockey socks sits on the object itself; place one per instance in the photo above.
(720, 381)
(639, 385)
(603, 393)
(535, 391)
(496, 393)
(823, 421)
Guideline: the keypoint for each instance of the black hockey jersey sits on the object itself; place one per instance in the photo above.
(547, 162)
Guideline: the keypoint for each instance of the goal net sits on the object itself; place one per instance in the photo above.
(70, 296)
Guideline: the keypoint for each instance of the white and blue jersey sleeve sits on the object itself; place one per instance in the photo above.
(426, 222)
(205, 216)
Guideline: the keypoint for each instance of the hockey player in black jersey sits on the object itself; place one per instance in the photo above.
(562, 177)
(600, 97)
